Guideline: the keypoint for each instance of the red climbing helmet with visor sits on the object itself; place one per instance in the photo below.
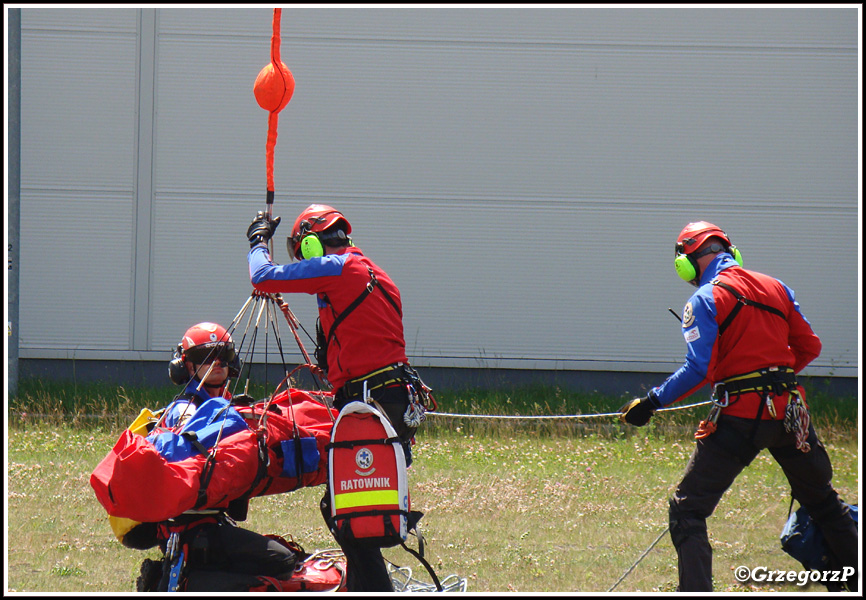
(690, 239)
(201, 344)
(205, 342)
(314, 220)
(694, 234)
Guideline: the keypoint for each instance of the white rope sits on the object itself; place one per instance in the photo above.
(631, 568)
(613, 414)
(440, 414)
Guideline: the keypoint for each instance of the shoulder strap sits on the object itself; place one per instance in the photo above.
(423, 561)
(368, 289)
(743, 301)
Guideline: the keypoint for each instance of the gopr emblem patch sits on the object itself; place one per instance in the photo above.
(688, 315)
(364, 458)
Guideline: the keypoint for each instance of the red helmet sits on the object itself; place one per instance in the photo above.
(316, 218)
(694, 234)
(203, 343)
(207, 341)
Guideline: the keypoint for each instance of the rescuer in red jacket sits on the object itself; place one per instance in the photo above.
(746, 336)
(360, 335)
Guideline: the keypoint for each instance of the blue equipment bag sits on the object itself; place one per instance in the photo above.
(301, 455)
(802, 538)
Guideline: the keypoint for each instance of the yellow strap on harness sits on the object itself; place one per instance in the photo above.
(348, 390)
(759, 373)
(379, 372)
(373, 374)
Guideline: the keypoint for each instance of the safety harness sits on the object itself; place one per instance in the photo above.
(743, 301)
(420, 397)
(322, 342)
(768, 382)
(377, 379)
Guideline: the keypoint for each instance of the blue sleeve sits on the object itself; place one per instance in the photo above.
(790, 293)
(700, 331)
(262, 269)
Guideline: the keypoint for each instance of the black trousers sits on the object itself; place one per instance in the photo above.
(225, 558)
(715, 464)
(365, 566)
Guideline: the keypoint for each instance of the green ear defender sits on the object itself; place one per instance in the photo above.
(311, 246)
(686, 269)
(737, 255)
(686, 265)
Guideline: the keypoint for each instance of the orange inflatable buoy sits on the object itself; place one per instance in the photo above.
(273, 89)
(274, 85)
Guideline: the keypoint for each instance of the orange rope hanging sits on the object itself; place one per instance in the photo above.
(273, 89)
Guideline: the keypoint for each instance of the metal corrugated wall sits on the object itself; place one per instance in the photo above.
(78, 135)
(521, 173)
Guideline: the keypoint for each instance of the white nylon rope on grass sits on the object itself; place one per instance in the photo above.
(613, 414)
(440, 414)
(647, 551)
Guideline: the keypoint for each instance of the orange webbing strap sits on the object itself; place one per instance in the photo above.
(273, 89)
(707, 427)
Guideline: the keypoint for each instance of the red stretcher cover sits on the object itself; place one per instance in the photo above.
(135, 482)
(323, 571)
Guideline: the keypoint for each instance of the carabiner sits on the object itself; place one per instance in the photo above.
(715, 396)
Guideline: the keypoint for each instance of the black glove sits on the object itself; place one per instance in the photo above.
(637, 412)
(262, 228)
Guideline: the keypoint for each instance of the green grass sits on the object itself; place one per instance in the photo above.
(515, 506)
(111, 405)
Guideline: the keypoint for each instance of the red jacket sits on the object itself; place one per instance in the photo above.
(371, 336)
(753, 340)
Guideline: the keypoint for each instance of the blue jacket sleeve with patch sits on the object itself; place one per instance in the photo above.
(701, 332)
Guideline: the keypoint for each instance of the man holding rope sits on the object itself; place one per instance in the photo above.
(746, 335)
(360, 337)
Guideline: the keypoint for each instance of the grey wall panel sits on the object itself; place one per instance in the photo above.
(210, 133)
(681, 27)
(587, 283)
(65, 21)
(199, 264)
(75, 253)
(80, 93)
(77, 171)
(521, 173)
(640, 125)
